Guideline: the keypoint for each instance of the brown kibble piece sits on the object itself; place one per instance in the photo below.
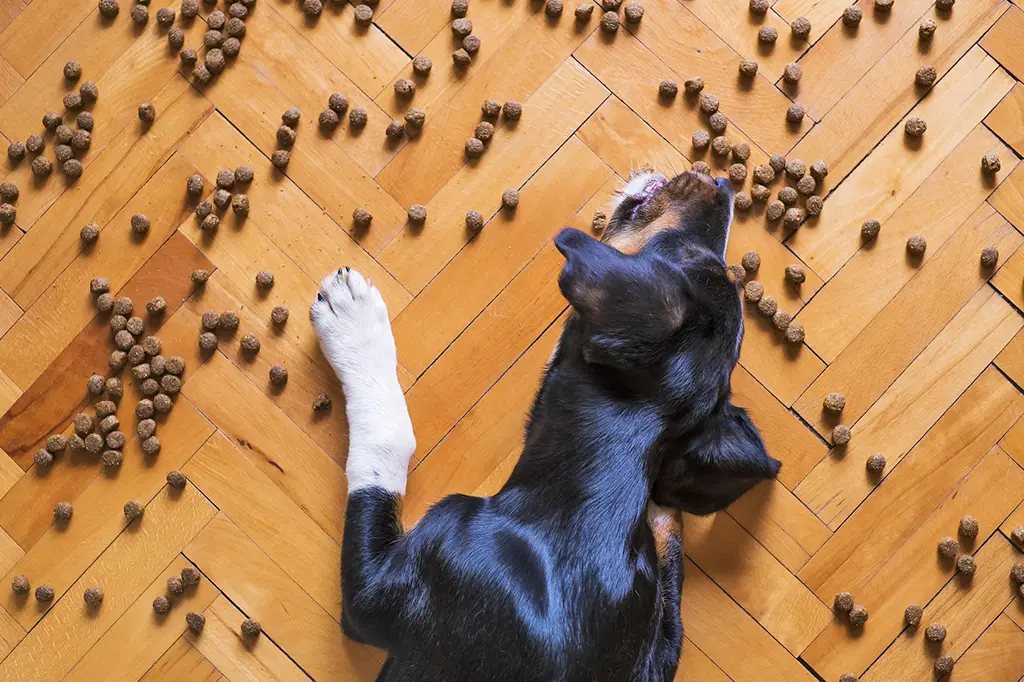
(989, 257)
(190, 576)
(462, 27)
(584, 11)
(767, 306)
(474, 147)
(944, 664)
(793, 73)
(512, 110)
(949, 547)
(151, 446)
(56, 443)
(721, 145)
(362, 218)
(44, 459)
(322, 402)
(795, 274)
(708, 103)
(801, 27)
(759, 7)
(176, 479)
(62, 511)
(870, 229)
(668, 89)
(474, 221)
(990, 163)
(912, 615)
(753, 291)
(140, 224)
(834, 402)
(876, 463)
(852, 16)
(357, 117)
(966, 565)
(748, 68)
(751, 261)
(915, 126)
(1017, 572)
(767, 34)
(795, 333)
(610, 22)
(197, 621)
(265, 279)
(737, 173)
(161, 605)
(788, 196)
(162, 402)
(781, 320)
(806, 185)
(969, 527)
(207, 342)
(935, 632)
(858, 615)
(701, 140)
(422, 65)
(176, 364)
(133, 509)
(743, 201)
(926, 76)
(240, 205)
(701, 168)
(760, 193)
(795, 113)
(41, 167)
(20, 584)
(280, 158)
(44, 594)
(278, 375)
(775, 210)
(175, 586)
(251, 628)
(250, 344)
(395, 130)
(279, 315)
(147, 112)
(916, 245)
(814, 205)
(841, 435)
(718, 122)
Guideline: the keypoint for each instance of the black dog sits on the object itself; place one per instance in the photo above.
(569, 573)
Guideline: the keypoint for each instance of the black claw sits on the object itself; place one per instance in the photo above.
(319, 296)
(348, 269)
(339, 270)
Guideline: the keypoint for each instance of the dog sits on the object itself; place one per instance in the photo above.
(573, 571)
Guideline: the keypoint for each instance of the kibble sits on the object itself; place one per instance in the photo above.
(748, 68)
(737, 173)
(72, 168)
(912, 615)
(743, 201)
(145, 428)
(134, 325)
(312, 8)
(834, 402)
(598, 222)
(966, 565)
(158, 365)
(760, 193)
(161, 605)
(35, 144)
(927, 29)
(357, 117)
(197, 621)
(776, 209)
(801, 27)
(767, 34)
(788, 196)
(759, 7)
(251, 628)
(841, 435)
(151, 446)
(190, 576)
(115, 389)
(795, 274)
(701, 140)
(43, 458)
(278, 375)
(1017, 572)
(781, 320)
(170, 384)
(490, 108)
(176, 479)
(96, 384)
(62, 511)
(694, 86)
(20, 584)
(721, 145)
(280, 158)
(139, 14)
(814, 205)
(944, 664)
(133, 509)
(474, 221)
(584, 11)
(753, 291)
(207, 342)
(16, 151)
(94, 443)
(806, 186)
(852, 16)
(870, 229)
(916, 245)
(162, 402)
(969, 527)
(610, 22)
(767, 306)
(936, 632)
(136, 355)
(512, 110)
(322, 402)
(990, 164)
(176, 364)
(876, 463)
(795, 113)
(718, 122)
(668, 89)
(701, 168)
(240, 205)
(115, 440)
(285, 136)
(926, 76)
(250, 344)
(188, 57)
(989, 257)
(915, 126)
(229, 322)
(858, 615)
(44, 594)
(708, 103)
(949, 547)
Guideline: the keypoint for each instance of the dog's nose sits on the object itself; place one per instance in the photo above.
(723, 183)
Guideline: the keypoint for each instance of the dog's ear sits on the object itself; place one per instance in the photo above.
(713, 465)
(628, 304)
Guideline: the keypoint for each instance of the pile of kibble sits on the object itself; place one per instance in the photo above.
(231, 190)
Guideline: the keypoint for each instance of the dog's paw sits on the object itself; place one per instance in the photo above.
(351, 321)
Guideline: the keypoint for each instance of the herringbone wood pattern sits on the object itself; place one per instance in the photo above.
(929, 354)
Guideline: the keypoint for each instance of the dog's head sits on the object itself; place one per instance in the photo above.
(659, 322)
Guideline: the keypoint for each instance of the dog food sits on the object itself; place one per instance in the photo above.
(721, 145)
(876, 463)
(9, 192)
(753, 291)
(357, 117)
(915, 126)
(781, 319)
(395, 130)
(1017, 572)
(751, 261)
(883, 5)
(936, 632)
(858, 615)
(41, 167)
(1018, 535)
(176, 479)
(510, 198)
(285, 136)
(743, 201)
(795, 113)
(16, 151)
(948, 547)
(62, 511)
(841, 435)
(265, 279)
(741, 152)
(694, 86)
(788, 196)
(793, 73)
(240, 205)
(748, 68)
(767, 306)
(717, 122)
(278, 375)
(484, 131)
(44, 594)
(207, 342)
(210, 320)
(422, 65)
(852, 16)
(916, 244)
(945, 5)
(175, 586)
(250, 344)
(553, 8)
(197, 621)
(969, 527)
(599, 222)
(927, 29)
(990, 163)
(609, 22)
(112, 458)
(708, 103)
(474, 221)
(801, 28)
(20, 584)
(251, 628)
(462, 27)
(834, 403)
(161, 401)
(634, 12)
(190, 576)
(926, 76)
(170, 384)
(701, 140)
(737, 173)
(312, 8)
(912, 615)
(767, 34)
(151, 446)
(814, 205)
(361, 218)
(776, 209)
(806, 185)
(869, 230)
(161, 605)
(701, 168)
(404, 88)
(115, 440)
(140, 224)
(584, 11)
(279, 315)
(133, 509)
(139, 14)
(944, 664)
(145, 428)
(795, 274)
(280, 158)
(965, 564)
(322, 402)
(795, 333)
(43, 458)
(56, 443)
(83, 424)
(668, 89)
(848, 677)
(764, 174)
(134, 325)
(512, 110)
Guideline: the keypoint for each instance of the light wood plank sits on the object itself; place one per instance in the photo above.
(997, 656)
(1007, 119)
(38, 30)
(1008, 198)
(182, 662)
(1003, 41)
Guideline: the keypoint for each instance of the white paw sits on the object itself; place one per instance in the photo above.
(351, 320)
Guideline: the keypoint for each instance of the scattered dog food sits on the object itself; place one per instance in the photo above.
(751, 261)
(912, 615)
(322, 402)
(717, 122)
(764, 174)
(708, 102)
(250, 344)
(175, 586)
(701, 168)
(926, 76)
(759, 7)
(280, 158)
(133, 509)
(694, 86)
(990, 164)
(841, 435)
(44, 594)
(776, 209)
(207, 342)
(753, 291)
(634, 12)
(788, 196)
(610, 22)
(883, 5)
(599, 222)
(668, 89)
(767, 306)
(1017, 572)
(395, 130)
(145, 428)
(767, 34)
(795, 333)
(1018, 535)
(795, 113)
(852, 16)
(474, 221)
(795, 274)
(781, 319)
(279, 315)
(834, 402)
(161, 605)
(43, 458)
(278, 375)
(197, 621)
(553, 8)
(162, 403)
(743, 201)
(936, 632)
(965, 564)
(848, 677)
(62, 511)
(701, 140)
(240, 205)
(870, 229)
(915, 126)
(512, 110)
(944, 664)
(969, 527)
(916, 244)
(741, 152)
(584, 11)
(748, 68)
(806, 185)
(737, 172)
(422, 65)
(251, 628)
(190, 576)
(801, 28)
(462, 27)
(721, 145)
(140, 224)
(858, 615)
(176, 479)
(814, 205)
(474, 148)
(357, 117)
(876, 463)
(484, 131)
(949, 547)
(927, 29)
(20, 584)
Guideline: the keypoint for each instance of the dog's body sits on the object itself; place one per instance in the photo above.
(570, 572)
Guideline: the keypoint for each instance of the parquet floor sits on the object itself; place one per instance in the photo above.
(929, 353)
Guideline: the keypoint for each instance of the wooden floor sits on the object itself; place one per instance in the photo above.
(929, 353)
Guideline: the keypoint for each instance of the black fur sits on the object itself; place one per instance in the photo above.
(558, 577)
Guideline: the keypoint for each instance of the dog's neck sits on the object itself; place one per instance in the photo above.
(587, 459)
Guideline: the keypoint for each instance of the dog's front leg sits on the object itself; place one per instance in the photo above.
(351, 321)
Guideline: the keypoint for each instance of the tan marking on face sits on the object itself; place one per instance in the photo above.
(632, 241)
(665, 524)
